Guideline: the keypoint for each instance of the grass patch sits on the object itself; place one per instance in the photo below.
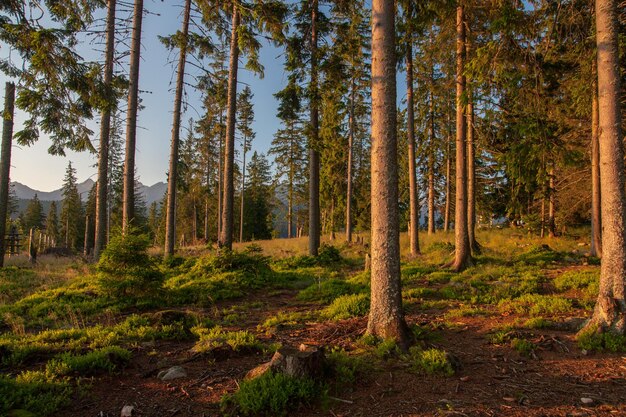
(216, 338)
(523, 346)
(348, 306)
(33, 392)
(328, 290)
(536, 305)
(272, 394)
(430, 361)
(108, 359)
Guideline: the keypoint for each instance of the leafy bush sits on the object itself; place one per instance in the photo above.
(348, 306)
(126, 268)
(272, 394)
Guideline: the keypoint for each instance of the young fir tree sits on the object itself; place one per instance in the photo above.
(258, 195)
(33, 215)
(52, 224)
(245, 112)
(71, 217)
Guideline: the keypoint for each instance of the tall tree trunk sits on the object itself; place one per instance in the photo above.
(5, 161)
(314, 156)
(596, 218)
(220, 181)
(170, 222)
(551, 204)
(431, 167)
(206, 220)
(543, 217)
(291, 179)
(386, 318)
(463, 253)
(410, 125)
(86, 247)
(471, 175)
(243, 188)
(128, 206)
(350, 163)
(226, 233)
(610, 309)
(105, 132)
(446, 215)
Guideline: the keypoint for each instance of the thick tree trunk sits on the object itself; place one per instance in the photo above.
(5, 161)
(386, 318)
(610, 309)
(413, 193)
(314, 157)
(226, 232)
(596, 218)
(463, 253)
(243, 188)
(350, 163)
(170, 222)
(128, 205)
(105, 132)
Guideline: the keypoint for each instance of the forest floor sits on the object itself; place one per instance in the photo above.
(496, 340)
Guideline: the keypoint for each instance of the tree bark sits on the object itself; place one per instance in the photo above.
(5, 161)
(446, 215)
(226, 232)
(105, 132)
(350, 163)
(431, 168)
(463, 253)
(220, 181)
(610, 310)
(243, 188)
(596, 218)
(471, 176)
(128, 206)
(314, 157)
(386, 318)
(551, 204)
(170, 222)
(410, 125)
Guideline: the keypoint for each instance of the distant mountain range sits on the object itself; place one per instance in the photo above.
(24, 193)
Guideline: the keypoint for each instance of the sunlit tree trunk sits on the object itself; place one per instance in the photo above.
(471, 177)
(610, 309)
(314, 157)
(243, 188)
(5, 161)
(431, 167)
(105, 132)
(386, 318)
(551, 204)
(410, 125)
(350, 163)
(463, 254)
(170, 222)
(596, 218)
(226, 232)
(128, 205)
(446, 215)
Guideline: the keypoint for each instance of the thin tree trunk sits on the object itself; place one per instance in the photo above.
(314, 157)
(194, 237)
(431, 168)
(463, 253)
(350, 163)
(610, 309)
(291, 178)
(410, 125)
(243, 187)
(86, 240)
(543, 218)
(219, 181)
(551, 204)
(446, 215)
(5, 161)
(386, 318)
(596, 218)
(206, 220)
(170, 223)
(226, 233)
(105, 132)
(128, 206)
(471, 175)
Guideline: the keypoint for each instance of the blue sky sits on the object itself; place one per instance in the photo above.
(34, 167)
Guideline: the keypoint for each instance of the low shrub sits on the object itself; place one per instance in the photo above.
(215, 338)
(108, 359)
(536, 305)
(592, 339)
(348, 306)
(33, 392)
(328, 290)
(430, 361)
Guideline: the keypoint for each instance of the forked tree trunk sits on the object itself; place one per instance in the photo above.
(463, 253)
(128, 205)
(610, 310)
(350, 163)
(386, 318)
(314, 157)
(170, 222)
(105, 133)
(5, 161)
(596, 218)
(226, 232)
(410, 126)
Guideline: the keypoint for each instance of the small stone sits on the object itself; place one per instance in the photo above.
(464, 378)
(586, 400)
(127, 411)
(174, 372)
(509, 399)
(584, 352)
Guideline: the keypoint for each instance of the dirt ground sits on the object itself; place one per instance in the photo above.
(492, 380)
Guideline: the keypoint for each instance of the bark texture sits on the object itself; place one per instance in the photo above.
(350, 163)
(226, 232)
(463, 253)
(170, 221)
(386, 318)
(105, 133)
(610, 310)
(5, 160)
(128, 205)
(596, 217)
(314, 156)
(410, 125)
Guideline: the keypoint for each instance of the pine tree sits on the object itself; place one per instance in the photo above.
(52, 224)
(258, 195)
(33, 215)
(244, 125)
(71, 216)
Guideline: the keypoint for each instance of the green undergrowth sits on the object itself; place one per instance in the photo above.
(430, 361)
(536, 305)
(33, 393)
(347, 306)
(327, 291)
(592, 339)
(218, 338)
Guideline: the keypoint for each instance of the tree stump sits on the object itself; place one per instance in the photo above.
(304, 362)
